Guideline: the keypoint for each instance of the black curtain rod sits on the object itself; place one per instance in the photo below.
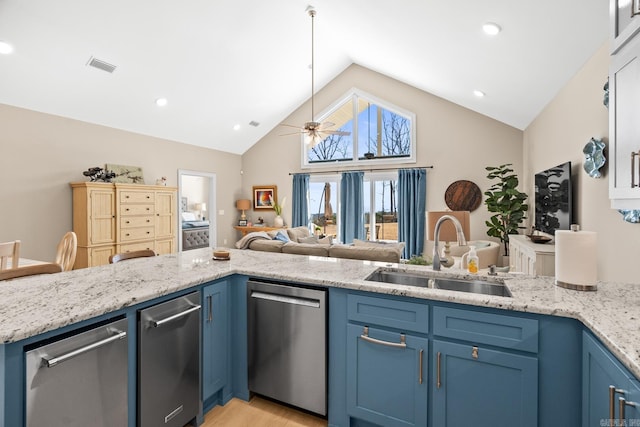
(361, 170)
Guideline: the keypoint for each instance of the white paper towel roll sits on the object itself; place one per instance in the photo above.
(576, 259)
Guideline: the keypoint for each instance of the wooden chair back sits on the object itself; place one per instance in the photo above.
(30, 270)
(9, 250)
(129, 255)
(67, 248)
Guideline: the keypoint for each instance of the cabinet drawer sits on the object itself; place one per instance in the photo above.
(130, 247)
(136, 210)
(486, 328)
(137, 233)
(136, 221)
(403, 315)
(137, 197)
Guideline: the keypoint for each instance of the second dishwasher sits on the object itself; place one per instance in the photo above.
(169, 362)
(287, 331)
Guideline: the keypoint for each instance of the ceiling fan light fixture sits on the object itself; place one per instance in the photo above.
(314, 132)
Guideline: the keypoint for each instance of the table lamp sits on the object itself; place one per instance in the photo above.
(447, 231)
(243, 205)
(202, 207)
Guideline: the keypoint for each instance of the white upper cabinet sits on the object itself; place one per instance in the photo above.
(624, 108)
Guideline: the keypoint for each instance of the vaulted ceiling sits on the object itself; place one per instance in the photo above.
(222, 63)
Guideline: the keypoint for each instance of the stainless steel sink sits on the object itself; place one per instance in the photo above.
(473, 286)
(399, 278)
(408, 278)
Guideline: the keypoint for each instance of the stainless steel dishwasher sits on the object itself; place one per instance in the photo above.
(287, 332)
(80, 380)
(169, 362)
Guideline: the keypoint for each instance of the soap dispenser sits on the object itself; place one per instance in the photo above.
(472, 261)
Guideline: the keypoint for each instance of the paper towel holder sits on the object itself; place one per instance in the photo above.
(572, 286)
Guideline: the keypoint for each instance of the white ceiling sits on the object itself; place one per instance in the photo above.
(227, 62)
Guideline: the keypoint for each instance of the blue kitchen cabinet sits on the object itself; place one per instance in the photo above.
(486, 381)
(386, 360)
(215, 344)
(604, 382)
(387, 376)
(473, 385)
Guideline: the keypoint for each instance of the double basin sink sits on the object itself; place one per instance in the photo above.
(399, 277)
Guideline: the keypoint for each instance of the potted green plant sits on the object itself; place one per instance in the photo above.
(507, 202)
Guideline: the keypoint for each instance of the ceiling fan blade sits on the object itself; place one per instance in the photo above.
(337, 132)
(291, 126)
(293, 133)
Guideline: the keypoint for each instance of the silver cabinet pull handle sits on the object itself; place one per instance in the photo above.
(51, 362)
(612, 402)
(623, 402)
(157, 323)
(420, 367)
(365, 336)
(438, 383)
(286, 299)
(633, 175)
(210, 304)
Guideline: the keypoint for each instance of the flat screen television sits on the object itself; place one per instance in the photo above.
(554, 204)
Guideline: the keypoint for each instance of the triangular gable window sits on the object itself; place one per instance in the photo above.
(377, 132)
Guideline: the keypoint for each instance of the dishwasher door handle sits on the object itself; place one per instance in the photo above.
(53, 361)
(158, 323)
(307, 302)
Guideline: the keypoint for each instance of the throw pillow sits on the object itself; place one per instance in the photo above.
(328, 240)
(310, 239)
(297, 232)
(281, 236)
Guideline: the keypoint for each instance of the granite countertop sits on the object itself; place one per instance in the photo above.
(34, 305)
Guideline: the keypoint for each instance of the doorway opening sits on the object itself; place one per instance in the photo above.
(197, 207)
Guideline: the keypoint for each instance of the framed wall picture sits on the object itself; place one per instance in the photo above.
(126, 174)
(264, 196)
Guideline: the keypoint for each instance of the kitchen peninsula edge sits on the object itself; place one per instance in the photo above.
(37, 305)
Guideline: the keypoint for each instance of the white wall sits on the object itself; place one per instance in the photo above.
(196, 190)
(558, 135)
(458, 142)
(40, 154)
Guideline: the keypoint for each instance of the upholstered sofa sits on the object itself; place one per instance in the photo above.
(299, 241)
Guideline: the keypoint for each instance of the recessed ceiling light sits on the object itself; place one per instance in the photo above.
(161, 102)
(5, 48)
(236, 127)
(478, 93)
(491, 28)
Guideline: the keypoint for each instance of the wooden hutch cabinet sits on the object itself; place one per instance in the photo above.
(114, 218)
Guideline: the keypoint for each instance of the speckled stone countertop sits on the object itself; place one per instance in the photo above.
(34, 305)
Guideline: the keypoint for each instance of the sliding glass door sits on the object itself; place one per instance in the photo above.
(380, 206)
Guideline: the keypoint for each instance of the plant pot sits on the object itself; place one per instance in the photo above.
(278, 221)
(504, 261)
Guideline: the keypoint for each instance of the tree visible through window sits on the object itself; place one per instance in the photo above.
(377, 131)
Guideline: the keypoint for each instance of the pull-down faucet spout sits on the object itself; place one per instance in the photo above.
(459, 234)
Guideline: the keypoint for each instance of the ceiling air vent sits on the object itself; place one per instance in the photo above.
(101, 65)
(254, 123)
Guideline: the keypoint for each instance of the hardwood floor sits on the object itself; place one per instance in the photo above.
(259, 412)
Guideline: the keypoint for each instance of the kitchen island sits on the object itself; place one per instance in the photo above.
(41, 305)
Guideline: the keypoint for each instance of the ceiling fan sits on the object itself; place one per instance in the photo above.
(314, 132)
